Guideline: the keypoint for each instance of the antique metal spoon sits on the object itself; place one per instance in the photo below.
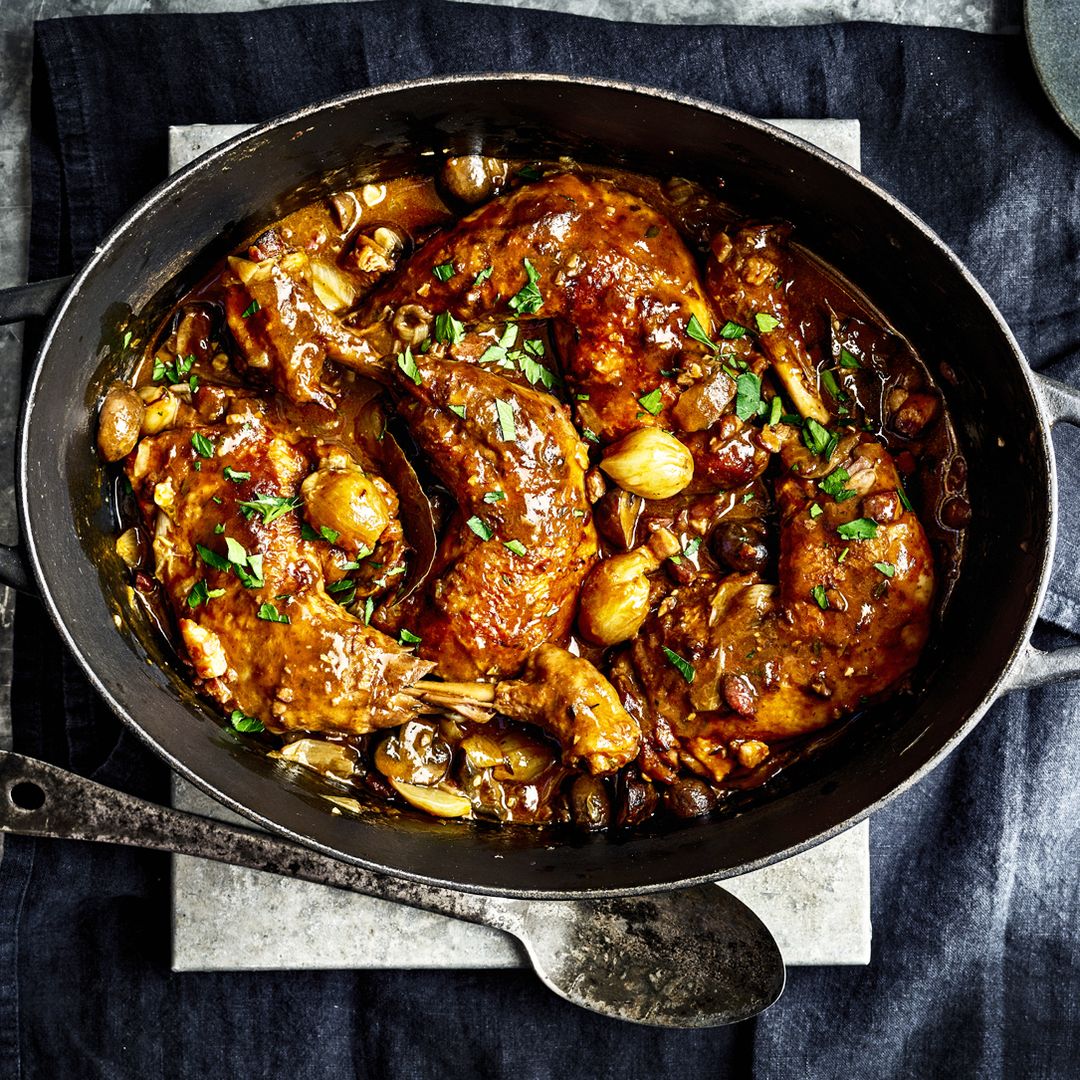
(693, 958)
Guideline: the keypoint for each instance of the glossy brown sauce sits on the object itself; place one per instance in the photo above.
(510, 771)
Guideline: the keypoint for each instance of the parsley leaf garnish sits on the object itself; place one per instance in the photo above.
(494, 496)
(479, 526)
(448, 329)
(271, 506)
(457, 410)
(684, 667)
(818, 593)
(695, 330)
(232, 474)
(203, 446)
(482, 276)
(766, 323)
(886, 568)
(250, 309)
(859, 529)
(505, 412)
(516, 546)
(848, 360)
(242, 722)
(747, 395)
(407, 637)
(269, 613)
(202, 594)
(445, 271)
(528, 300)
(407, 363)
(651, 402)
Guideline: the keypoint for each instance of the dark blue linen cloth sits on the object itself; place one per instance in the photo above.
(976, 956)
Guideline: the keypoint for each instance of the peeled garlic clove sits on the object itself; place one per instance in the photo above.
(160, 414)
(650, 463)
(433, 800)
(615, 597)
(336, 291)
(331, 759)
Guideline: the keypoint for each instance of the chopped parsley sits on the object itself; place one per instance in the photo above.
(127, 340)
(242, 722)
(329, 534)
(818, 593)
(271, 506)
(175, 372)
(482, 276)
(479, 526)
(505, 412)
(695, 330)
(497, 354)
(201, 594)
(343, 591)
(533, 370)
(747, 395)
(212, 558)
(859, 529)
(516, 546)
(830, 383)
(457, 410)
(775, 407)
(203, 446)
(818, 439)
(250, 309)
(369, 607)
(905, 502)
(588, 433)
(448, 329)
(815, 511)
(445, 271)
(528, 300)
(529, 172)
(843, 555)
(766, 323)
(732, 331)
(581, 397)
(886, 568)
(494, 496)
(651, 402)
(407, 637)
(407, 363)
(848, 360)
(219, 528)
(232, 474)
(683, 667)
(835, 485)
(269, 613)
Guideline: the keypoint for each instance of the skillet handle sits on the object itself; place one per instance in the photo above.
(1061, 403)
(34, 301)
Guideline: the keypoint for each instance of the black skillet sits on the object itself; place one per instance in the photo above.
(1003, 416)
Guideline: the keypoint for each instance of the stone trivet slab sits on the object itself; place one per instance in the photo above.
(817, 904)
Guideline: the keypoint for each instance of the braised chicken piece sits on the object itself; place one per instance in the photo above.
(734, 659)
(249, 592)
(515, 551)
(748, 278)
(612, 274)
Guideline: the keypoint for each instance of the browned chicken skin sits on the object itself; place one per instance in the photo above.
(512, 559)
(613, 275)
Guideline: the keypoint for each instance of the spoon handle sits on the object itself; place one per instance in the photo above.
(39, 799)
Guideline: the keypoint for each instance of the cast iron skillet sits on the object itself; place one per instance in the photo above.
(1003, 416)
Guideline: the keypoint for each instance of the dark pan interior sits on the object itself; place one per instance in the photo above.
(915, 281)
